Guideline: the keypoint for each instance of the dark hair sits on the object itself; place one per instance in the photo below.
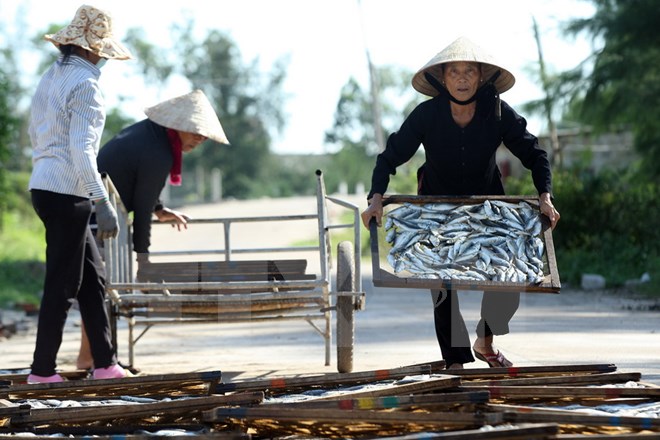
(66, 50)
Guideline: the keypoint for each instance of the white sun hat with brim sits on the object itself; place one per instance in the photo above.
(91, 29)
(462, 49)
(192, 113)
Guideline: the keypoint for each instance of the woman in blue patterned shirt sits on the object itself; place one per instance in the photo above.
(66, 122)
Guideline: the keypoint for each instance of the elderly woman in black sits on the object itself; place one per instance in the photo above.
(461, 128)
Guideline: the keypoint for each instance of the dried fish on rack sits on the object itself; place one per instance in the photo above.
(490, 241)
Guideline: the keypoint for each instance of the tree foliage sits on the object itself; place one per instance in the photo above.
(353, 133)
(248, 103)
(621, 82)
(9, 124)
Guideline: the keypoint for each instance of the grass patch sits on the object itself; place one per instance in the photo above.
(22, 259)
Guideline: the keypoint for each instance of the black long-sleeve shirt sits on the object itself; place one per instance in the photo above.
(138, 160)
(461, 161)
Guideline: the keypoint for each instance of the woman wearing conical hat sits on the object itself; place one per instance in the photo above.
(461, 128)
(67, 116)
(140, 159)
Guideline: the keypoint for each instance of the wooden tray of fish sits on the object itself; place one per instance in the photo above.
(494, 243)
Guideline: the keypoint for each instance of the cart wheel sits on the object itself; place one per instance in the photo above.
(345, 307)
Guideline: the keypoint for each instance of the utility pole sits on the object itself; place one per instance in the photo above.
(548, 102)
(374, 90)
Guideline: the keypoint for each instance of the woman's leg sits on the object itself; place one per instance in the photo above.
(85, 361)
(65, 219)
(93, 310)
(497, 309)
(450, 328)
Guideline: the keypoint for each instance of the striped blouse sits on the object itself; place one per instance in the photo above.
(66, 123)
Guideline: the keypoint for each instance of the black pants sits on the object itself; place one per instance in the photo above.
(74, 269)
(497, 309)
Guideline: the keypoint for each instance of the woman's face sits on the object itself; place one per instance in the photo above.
(462, 79)
(190, 140)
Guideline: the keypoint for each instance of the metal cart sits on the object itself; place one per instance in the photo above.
(251, 290)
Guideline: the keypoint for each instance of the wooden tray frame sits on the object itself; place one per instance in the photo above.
(385, 278)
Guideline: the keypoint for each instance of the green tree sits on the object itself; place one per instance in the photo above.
(620, 84)
(353, 134)
(7, 121)
(10, 121)
(248, 103)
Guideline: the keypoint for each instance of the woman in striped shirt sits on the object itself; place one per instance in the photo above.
(66, 123)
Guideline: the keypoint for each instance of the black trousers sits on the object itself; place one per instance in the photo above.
(74, 269)
(497, 309)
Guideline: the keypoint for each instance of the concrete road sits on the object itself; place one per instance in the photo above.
(396, 329)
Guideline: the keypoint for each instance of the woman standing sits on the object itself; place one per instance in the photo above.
(461, 128)
(66, 123)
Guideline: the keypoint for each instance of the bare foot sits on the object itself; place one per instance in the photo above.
(84, 365)
(455, 366)
(484, 346)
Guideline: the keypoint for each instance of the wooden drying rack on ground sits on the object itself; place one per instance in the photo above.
(422, 401)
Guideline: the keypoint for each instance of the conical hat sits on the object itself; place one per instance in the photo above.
(462, 49)
(191, 112)
(91, 29)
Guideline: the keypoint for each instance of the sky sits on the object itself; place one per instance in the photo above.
(326, 42)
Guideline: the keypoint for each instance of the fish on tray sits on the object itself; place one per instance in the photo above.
(489, 241)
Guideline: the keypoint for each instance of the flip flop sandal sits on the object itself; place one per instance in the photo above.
(494, 360)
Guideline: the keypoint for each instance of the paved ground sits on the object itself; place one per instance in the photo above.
(573, 327)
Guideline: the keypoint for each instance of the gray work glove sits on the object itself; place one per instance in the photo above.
(106, 219)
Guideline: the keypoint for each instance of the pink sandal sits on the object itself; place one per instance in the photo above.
(55, 378)
(112, 372)
(494, 360)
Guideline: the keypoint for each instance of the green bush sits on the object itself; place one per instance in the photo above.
(608, 225)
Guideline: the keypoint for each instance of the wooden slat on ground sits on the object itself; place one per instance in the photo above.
(288, 384)
(182, 384)
(197, 432)
(524, 416)
(392, 402)
(394, 389)
(542, 392)
(17, 378)
(180, 409)
(582, 379)
(343, 422)
(532, 371)
(524, 431)
(610, 436)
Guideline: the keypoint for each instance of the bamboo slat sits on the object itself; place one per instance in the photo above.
(524, 431)
(391, 402)
(129, 432)
(329, 415)
(610, 436)
(424, 386)
(162, 384)
(545, 370)
(605, 392)
(583, 419)
(178, 408)
(584, 379)
(285, 384)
